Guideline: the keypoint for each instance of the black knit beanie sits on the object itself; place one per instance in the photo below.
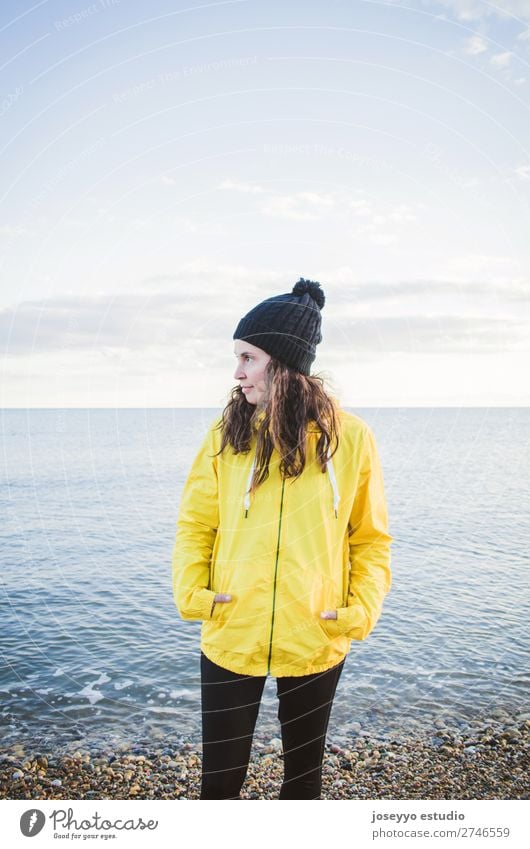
(287, 326)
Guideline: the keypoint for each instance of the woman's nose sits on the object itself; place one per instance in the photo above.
(239, 373)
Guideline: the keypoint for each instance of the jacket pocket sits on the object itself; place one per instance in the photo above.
(328, 598)
(331, 627)
(219, 613)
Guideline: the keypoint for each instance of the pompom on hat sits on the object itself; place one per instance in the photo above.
(288, 327)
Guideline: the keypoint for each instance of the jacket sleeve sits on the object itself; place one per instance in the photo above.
(197, 524)
(369, 543)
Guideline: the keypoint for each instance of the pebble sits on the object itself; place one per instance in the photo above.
(440, 762)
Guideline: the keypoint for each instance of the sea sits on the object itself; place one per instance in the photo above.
(94, 653)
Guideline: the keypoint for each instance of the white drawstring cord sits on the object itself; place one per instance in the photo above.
(246, 500)
(332, 478)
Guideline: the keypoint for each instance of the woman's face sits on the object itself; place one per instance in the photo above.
(250, 370)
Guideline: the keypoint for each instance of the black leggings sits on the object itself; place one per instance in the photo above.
(230, 705)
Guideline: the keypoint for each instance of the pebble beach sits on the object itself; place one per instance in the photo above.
(489, 762)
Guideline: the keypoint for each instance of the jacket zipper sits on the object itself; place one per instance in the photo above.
(275, 573)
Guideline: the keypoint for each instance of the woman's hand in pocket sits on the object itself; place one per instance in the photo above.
(328, 614)
(220, 598)
(330, 625)
(351, 622)
(223, 597)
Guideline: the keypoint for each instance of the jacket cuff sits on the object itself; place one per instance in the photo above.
(202, 604)
(351, 620)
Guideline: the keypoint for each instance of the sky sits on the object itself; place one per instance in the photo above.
(165, 166)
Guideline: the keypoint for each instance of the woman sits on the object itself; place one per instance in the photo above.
(282, 548)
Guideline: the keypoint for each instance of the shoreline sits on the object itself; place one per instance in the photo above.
(490, 762)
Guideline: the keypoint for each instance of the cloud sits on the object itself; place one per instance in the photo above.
(379, 225)
(302, 206)
(240, 186)
(502, 60)
(92, 323)
(360, 207)
(476, 10)
(12, 230)
(192, 314)
(426, 293)
(384, 239)
(428, 334)
(523, 172)
(475, 45)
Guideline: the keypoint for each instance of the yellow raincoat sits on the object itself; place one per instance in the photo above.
(296, 548)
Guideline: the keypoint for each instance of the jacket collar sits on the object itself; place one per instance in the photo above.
(332, 478)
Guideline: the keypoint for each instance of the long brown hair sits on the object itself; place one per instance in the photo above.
(292, 400)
